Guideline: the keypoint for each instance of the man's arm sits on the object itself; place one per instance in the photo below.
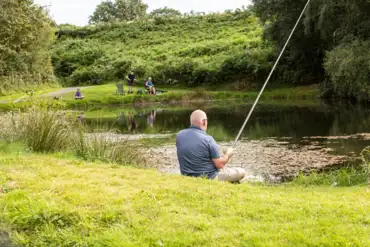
(218, 160)
(220, 163)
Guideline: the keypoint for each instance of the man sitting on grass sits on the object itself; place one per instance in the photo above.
(198, 153)
(78, 94)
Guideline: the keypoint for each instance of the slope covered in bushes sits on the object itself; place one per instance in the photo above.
(188, 50)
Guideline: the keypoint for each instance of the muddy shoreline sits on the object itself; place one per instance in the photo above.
(272, 159)
(269, 159)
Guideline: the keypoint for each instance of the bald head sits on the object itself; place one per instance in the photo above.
(199, 118)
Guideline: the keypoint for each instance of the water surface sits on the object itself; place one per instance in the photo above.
(291, 122)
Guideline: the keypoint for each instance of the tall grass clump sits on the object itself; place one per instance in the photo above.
(45, 131)
(39, 129)
(106, 147)
(350, 175)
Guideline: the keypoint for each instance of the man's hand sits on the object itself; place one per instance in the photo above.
(222, 162)
(229, 152)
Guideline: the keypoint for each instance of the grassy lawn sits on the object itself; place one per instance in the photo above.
(37, 91)
(106, 94)
(50, 201)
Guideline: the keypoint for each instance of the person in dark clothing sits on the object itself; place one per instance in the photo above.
(131, 78)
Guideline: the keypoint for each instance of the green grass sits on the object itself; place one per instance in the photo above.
(53, 202)
(347, 176)
(38, 90)
(106, 95)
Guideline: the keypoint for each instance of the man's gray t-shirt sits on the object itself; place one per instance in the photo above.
(195, 151)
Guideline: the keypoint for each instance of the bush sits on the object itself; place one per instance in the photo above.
(74, 55)
(348, 69)
(91, 75)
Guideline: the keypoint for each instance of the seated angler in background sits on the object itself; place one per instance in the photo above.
(150, 86)
(78, 94)
(199, 155)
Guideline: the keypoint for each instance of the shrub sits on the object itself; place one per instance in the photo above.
(348, 71)
(74, 55)
(92, 75)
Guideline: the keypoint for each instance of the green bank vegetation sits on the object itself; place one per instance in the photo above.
(48, 201)
(44, 131)
(52, 195)
(98, 96)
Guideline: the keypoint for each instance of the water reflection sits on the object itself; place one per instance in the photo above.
(128, 122)
(151, 118)
(267, 121)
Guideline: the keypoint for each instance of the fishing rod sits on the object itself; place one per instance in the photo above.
(269, 77)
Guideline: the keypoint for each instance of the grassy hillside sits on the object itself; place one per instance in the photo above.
(216, 48)
(46, 201)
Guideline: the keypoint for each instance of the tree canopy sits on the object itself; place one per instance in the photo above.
(118, 10)
(165, 12)
(24, 38)
(328, 27)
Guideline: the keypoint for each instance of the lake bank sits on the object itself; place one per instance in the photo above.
(86, 190)
(63, 202)
(106, 95)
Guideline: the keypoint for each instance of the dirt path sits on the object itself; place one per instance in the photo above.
(57, 93)
(62, 91)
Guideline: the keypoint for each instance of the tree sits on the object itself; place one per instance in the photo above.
(119, 10)
(24, 39)
(165, 12)
(326, 24)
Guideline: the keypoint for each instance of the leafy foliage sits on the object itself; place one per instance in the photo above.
(348, 67)
(119, 10)
(164, 12)
(192, 50)
(24, 38)
(327, 24)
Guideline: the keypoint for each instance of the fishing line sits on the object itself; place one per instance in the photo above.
(269, 77)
